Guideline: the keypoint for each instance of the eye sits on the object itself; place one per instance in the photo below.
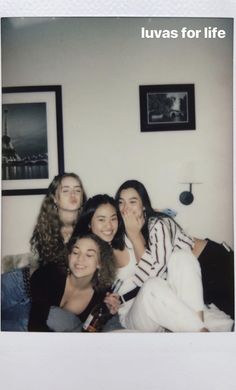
(90, 255)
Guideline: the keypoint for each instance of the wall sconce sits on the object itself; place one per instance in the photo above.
(186, 197)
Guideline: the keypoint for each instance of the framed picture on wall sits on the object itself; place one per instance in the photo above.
(167, 107)
(32, 138)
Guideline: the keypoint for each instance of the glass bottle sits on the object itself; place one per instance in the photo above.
(100, 314)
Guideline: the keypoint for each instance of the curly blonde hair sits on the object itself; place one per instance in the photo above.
(105, 276)
(46, 239)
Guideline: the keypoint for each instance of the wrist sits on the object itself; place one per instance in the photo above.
(134, 235)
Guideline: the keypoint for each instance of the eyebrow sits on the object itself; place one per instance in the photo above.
(105, 216)
(92, 250)
(89, 250)
(77, 186)
(132, 197)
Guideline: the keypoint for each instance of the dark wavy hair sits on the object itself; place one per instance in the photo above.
(84, 222)
(46, 239)
(149, 212)
(104, 278)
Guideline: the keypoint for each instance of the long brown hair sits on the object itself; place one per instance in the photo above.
(46, 239)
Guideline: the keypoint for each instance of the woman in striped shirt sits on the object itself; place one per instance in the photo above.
(156, 295)
(166, 269)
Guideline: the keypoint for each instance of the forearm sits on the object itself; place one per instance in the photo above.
(199, 245)
(138, 243)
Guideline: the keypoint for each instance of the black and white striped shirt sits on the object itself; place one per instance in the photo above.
(165, 236)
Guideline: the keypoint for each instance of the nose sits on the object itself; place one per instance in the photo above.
(108, 224)
(125, 207)
(80, 258)
(72, 193)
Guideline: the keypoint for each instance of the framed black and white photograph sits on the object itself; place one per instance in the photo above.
(32, 138)
(167, 107)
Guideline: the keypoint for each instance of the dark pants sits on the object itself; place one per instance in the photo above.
(217, 266)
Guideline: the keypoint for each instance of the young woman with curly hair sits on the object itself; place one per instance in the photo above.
(62, 301)
(56, 220)
(57, 217)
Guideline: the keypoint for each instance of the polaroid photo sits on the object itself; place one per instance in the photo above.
(112, 98)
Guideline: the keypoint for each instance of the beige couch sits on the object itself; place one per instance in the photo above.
(10, 262)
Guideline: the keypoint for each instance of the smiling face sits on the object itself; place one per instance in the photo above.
(84, 258)
(130, 200)
(69, 194)
(104, 222)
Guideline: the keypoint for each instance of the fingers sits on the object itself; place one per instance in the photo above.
(112, 301)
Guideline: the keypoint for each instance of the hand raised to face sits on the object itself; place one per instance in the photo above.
(132, 211)
(132, 221)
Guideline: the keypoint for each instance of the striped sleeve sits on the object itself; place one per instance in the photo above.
(154, 261)
(182, 240)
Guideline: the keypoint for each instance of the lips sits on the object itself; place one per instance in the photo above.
(109, 234)
(79, 267)
(74, 201)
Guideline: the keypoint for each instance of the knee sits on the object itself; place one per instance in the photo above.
(183, 260)
(153, 286)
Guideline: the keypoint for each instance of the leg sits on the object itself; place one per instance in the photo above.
(112, 324)
(61, 320)
(157, 306)
(217, 266)
(15, 300)
(184, 277)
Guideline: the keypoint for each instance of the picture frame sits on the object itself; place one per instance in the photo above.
(167, 107)
(32, 138)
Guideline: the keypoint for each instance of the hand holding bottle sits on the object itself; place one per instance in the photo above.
(103, 311)
(113, 302)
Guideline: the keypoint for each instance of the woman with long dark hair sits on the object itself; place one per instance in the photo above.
(164, 253)
(169, 307)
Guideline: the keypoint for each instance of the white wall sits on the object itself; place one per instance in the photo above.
(100, 63)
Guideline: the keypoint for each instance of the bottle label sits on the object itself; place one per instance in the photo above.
(88, 321)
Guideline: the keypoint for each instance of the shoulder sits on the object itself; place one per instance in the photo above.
(47, 273)
(155, 222)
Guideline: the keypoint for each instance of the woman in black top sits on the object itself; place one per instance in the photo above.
(91, 270)
(58, 215)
